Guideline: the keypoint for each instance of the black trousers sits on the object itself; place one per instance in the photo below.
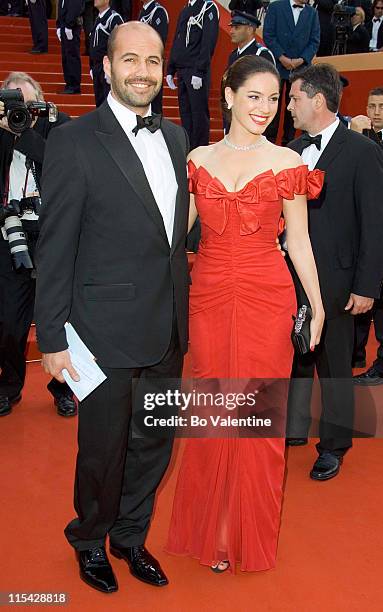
(117, 474)
(100, 86)
(288, 123)
(17, 297)
(39, 24)
(332, 361)
(194, 107)
(71, 59)
(362, 330)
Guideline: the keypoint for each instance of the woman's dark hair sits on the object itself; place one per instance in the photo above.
(320, 78)
(242, 69)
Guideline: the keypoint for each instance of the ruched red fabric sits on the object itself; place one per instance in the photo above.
(229, 491)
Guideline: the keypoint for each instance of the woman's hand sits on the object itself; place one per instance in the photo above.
(316, 327)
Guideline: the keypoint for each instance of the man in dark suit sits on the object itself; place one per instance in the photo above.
(359, 40)
(375, 26)
(345, 226)
(291, 32)
(112, 261)
(371, 125)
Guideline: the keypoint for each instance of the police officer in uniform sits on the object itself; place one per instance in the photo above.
(242, 32)
(193, 47)
(155, 15)
(37, 11)
(69, 24)
(106, 21)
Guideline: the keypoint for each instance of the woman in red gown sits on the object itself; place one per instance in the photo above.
(229, 491)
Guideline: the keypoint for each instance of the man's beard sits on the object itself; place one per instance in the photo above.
(129, 97)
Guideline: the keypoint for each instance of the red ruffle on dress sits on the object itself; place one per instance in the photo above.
(229, 491)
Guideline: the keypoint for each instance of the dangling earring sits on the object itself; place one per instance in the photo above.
(229, 106)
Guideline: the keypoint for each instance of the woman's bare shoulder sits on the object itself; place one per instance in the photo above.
(199, 155)
(284, 158)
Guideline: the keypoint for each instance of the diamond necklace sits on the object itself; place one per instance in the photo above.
(259, 143)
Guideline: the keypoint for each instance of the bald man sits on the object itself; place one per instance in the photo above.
(113, 222)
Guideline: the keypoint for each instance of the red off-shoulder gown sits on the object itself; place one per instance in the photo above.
(229, 491)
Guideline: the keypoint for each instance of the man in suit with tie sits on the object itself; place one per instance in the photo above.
(375, 26)
(291, 31)
(345, 226)
(112, 261)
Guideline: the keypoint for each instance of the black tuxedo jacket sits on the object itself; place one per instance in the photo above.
(346, 221)
(104, 262)
(369, 25)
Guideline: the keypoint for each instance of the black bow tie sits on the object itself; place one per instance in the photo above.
(376, 19)
(298, 6)
(151, 123)
(308, 140)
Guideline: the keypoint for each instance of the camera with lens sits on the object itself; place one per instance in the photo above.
(341, 20)
(20, 114)
(13, 231)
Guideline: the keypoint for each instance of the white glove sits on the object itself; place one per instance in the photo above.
(91, 74)
(170, 82)
(69, 34)
(58, 32)
(196, 82)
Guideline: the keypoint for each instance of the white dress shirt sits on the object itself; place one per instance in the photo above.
(296, 11)
(156, 161)
(17, 176)
(374, 35)
(311, 154)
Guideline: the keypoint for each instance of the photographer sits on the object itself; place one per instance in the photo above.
(17, 286)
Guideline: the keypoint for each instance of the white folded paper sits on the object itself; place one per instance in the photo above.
(91, 375)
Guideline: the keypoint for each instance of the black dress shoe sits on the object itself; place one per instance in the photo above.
(96, 570)
(66, 405)
(6, 403)
(70, 90)
(326, 466)
(141, 564)
(370, 378)
(296, 441)
(37, 51)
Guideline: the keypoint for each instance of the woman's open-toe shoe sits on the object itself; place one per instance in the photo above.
(220, 567)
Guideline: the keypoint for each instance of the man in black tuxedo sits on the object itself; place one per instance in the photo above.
(112, 261)
(345, 226)
(375, 26)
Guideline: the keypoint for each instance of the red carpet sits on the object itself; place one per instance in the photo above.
(331, 539)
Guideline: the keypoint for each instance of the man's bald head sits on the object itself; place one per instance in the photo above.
(128, 33)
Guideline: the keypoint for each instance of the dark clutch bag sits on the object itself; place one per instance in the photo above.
(301, 330)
